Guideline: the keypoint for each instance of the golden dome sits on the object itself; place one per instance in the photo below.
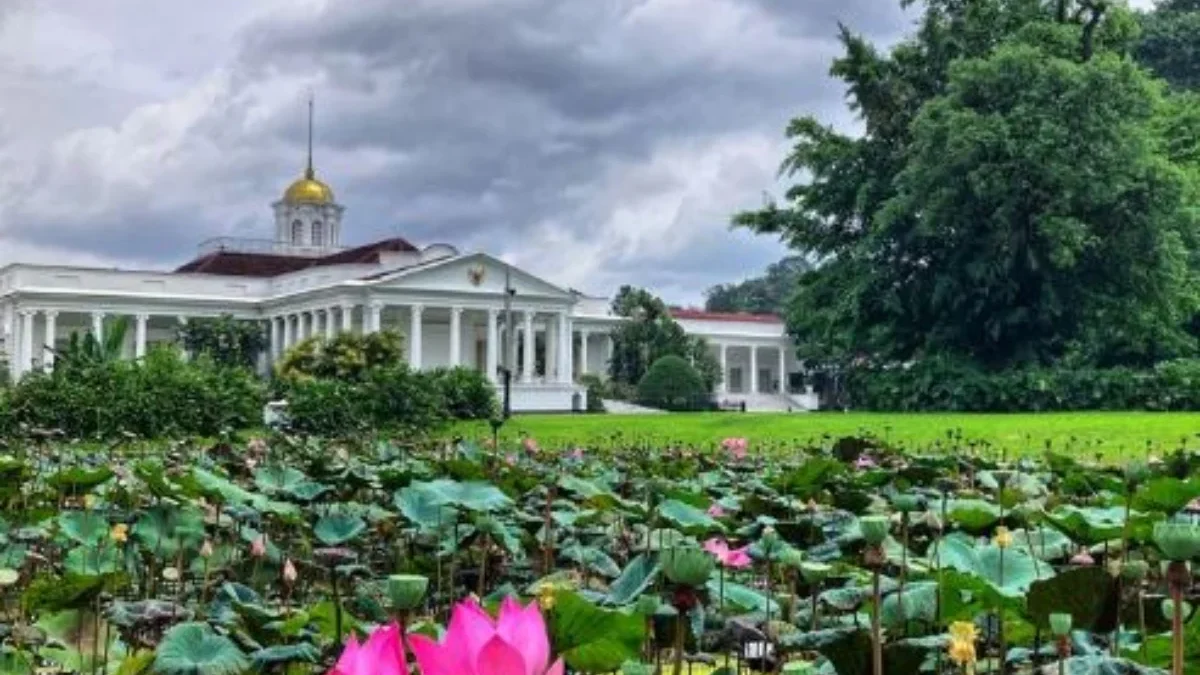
(308, 190)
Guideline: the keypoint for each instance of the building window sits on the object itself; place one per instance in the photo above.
(318, 233)
(297, 232)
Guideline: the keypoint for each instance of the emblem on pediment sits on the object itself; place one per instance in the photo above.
(475, 274)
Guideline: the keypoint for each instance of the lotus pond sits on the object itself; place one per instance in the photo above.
(846, 558)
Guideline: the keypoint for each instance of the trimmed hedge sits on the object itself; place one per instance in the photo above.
(672, 383)
(937, 385)
(162, 395)
(393, 397)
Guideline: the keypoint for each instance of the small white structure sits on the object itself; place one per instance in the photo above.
(448, 304)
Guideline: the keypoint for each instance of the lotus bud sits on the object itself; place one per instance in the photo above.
(1179, 542)
(1003, 538)
(814, 572)
(933, 521)
(406, 591)
(1114, 567)
(289, 572)
(1135, 570)
(206, 549)
(1136, 473)
(874, 529)
(688, 566)
(792, 558)
(258, 547)
(1060, 624)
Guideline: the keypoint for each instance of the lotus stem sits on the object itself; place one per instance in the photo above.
(876, 632)
(680, 627)
(337, 604)
(1177, 624)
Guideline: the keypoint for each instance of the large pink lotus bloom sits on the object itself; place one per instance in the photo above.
(735, 558)
(735, 447)
(474, 644)
(382, 654)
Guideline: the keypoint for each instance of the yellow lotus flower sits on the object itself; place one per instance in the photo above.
(119, 533)
(545, 596)
(1003, 538)
(962, 653)
(89, 501)
(964, 631)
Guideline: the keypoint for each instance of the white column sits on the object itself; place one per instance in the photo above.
(276, 334)
(493, 340)
(27, 339)
(583, 351)
(724, 386)
(180, 322)
(288, 332)
(753, 369)
(329, 323)
(530, 340)
(455, 336)
(139, 343)
(347, 318)
(48, 339)
(782, 371)
(10, 339)
(566, 358)
(375, 317)
(553, 354)
(98, 326)
(414, 336)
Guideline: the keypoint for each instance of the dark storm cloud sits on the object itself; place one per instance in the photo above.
(498, 119)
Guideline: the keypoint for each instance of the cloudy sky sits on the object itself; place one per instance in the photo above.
(596, 142)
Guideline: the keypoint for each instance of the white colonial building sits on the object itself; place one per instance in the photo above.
(448, 304)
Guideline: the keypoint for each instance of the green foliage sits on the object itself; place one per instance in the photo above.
(348, 357)
(768, 294)
(87, 350)
(1170, 42)
(1012, 201)
(195, 649)
(162, 395)
(227, 341)
(650, 334)
(466, 393)
(951, 385)
(673, 384)
(597, 391)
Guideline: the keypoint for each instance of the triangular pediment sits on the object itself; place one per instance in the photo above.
(475, 273)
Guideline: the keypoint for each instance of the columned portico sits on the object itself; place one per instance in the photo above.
(415, 339)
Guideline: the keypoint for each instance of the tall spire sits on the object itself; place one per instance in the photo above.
(308, 172)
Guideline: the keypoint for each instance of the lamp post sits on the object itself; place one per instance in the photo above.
(510, 351)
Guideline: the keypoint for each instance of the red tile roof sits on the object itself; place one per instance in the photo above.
(235, 263)
(701, 315)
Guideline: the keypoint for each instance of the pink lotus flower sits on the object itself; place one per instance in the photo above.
(1083, 558)
(382, 654)
(258, 547)
(716, 511)
(736, 558)
(529, 444)
(864, 462)
(735, 447)
(289, 572)
(474, 644)
(510, 459)
(577, 454)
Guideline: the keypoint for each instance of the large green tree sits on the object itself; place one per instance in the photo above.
(760, 295)
(1170, 42)
(1012, 198)
(649, 334)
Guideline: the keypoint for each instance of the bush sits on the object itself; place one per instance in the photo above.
(159, 396)
(347, 357)
(952, 386)
(467, 393)
(672, 383)
(597, 391)
(227, 341)
(392, 398)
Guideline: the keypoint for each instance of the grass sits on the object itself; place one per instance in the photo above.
(1115, 434)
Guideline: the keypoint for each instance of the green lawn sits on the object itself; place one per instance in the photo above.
(1114, 433)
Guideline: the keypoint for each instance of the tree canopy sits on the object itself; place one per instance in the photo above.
(1170, 42)
(649, 335)
(1022, 192)
(767, 294)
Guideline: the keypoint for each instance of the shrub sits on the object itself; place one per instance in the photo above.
(947, 385)
(672, 383)
(393, 398)
(597, 390)
(159, 396)
(227, 341)
(346, 357)
(466, 393)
